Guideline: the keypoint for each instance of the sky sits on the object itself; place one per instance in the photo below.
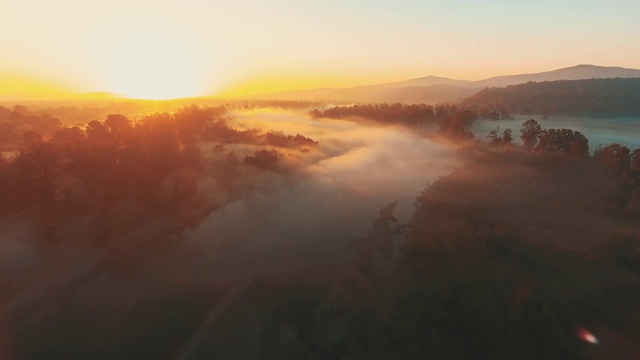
(182, 48)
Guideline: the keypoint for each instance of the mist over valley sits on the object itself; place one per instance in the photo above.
(185, 180)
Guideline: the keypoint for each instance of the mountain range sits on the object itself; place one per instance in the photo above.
(434, 89)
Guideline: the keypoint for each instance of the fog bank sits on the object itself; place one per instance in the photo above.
(312, 214)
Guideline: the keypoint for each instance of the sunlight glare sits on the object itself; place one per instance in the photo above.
(153, 61)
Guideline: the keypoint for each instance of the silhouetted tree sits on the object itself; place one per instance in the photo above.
(413, 115)
(118, 124)
(493, 136)
(279, 139)
(564, 141)
(615, 157)
(315, 113)
(496, 139)
(263, 158)
(579, 147)
(457, 126)
(529, 133)
(97, 131)
(507, 137)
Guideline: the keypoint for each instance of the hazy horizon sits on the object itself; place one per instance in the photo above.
(170, 49)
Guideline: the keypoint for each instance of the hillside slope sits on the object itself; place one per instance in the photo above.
(597, 97)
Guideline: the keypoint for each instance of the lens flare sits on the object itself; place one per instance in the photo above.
(586, 336)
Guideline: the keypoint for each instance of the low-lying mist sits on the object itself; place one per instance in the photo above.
(260, 194)
(310, 215)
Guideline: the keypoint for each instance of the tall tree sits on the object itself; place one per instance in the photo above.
(493, 136)
(507, 137)
(529, 133)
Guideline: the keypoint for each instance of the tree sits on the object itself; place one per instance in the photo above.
(564, 141)
(191, 121)
(494, 138)
(315, 113)
(37, 161)
(529, 133)
(457, 126)
(117, 123)
(96, 130)
(615, 157)
(507, 137)
(264, 158)
(579, 147)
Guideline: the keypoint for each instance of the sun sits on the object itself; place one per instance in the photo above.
(154, 61)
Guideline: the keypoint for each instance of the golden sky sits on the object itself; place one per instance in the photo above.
(166, 49)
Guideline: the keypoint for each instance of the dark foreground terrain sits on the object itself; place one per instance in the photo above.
(510, 256)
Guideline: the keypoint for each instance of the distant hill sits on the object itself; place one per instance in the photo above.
(597, 97)
(433, 89)
(578, 72)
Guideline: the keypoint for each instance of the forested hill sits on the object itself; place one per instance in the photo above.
(596, 97)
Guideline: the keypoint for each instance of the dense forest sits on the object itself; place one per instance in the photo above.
(594, 97)
(155, 162)
(15, 122)
(45, 117)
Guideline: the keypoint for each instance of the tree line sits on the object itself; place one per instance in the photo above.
(409, 114)
(156, 158)
(413, 115)
(621, 164)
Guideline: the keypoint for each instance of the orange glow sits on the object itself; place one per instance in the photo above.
(284, 82)
(14, 84)
(171, 49)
